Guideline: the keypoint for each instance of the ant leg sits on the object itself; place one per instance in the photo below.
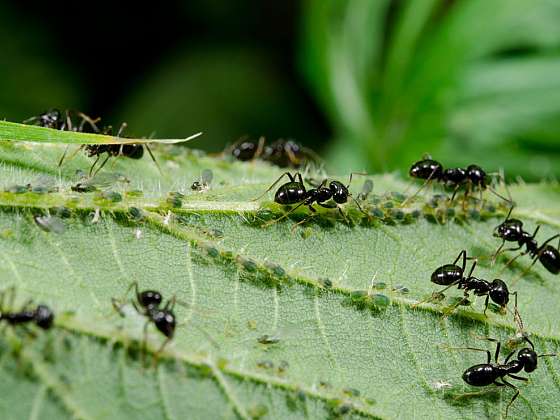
(74, 153)
(427, 182)
(362, 210)
(514, 396)
(508, 357)
(170, 304)
(455, 192)
(497, 353)
(486, 304)
(154, 159)
(287, 214)
(94, 163)
(463, 254)
(101, 166)
(290, 176)
(472, 268)
(519, 378)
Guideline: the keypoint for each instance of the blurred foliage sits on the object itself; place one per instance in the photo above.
(32, 76)
(466, 81)
(387, 80)
(226, 93)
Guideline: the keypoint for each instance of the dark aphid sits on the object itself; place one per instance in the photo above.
(294, 192)
(148, 303)
(488, 373)
(454, 275)
(41, 315)
(472, 178)
(511, 230)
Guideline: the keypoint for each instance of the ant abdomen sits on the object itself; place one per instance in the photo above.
(164, 321)
(425, 169)
(290, 193)
(447, 274)
(480, 375)
(550, 258)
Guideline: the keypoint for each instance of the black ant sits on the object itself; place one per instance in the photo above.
(55, 119)
(453, 275)
(245, 149)
(282, 153)
(511, 230)
(148, 303)
(488, 373)
(131, 151)
(472, 177)
(41, 315)
(294, 192)
(288, 153)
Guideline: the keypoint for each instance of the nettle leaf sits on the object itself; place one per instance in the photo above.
(285, 321)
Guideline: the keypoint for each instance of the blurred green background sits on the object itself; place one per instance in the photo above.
(369, 84)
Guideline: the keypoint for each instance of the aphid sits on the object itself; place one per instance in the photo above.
(511, 230)
(453, 275)
(471, 178)
(488, 373)
(268, 339)
(148, 303)
(50, 223)
(41, 315)
(294, 192)
(367, 188)
(205, 181)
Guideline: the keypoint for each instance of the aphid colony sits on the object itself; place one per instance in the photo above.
(334, 194)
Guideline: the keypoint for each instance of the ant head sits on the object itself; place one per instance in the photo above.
(499, 292)
(425, 169)
(50, 118)
(165, 322)
(44, 317)
(339, 192)
(509, 230)
(149, 298)
(528, 357)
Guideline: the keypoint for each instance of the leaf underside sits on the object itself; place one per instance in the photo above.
(336, 346)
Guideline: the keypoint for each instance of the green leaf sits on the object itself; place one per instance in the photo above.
(462, 81)
(281, 321)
